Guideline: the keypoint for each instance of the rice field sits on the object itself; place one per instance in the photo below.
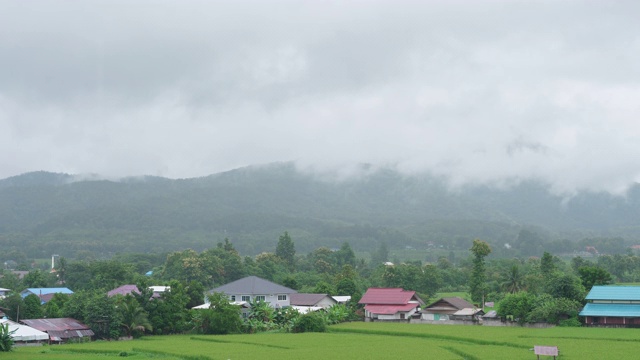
(360, 341)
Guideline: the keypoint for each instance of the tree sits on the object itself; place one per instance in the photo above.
(220, 318)
(133, 318)
(593, 275)
(380, 256)
(36, 279)
(517, 305)
(566, 286)
(286, 250)
(345, 256)
(32, 308)
(547, 267)
(513, 280)
(480, 250)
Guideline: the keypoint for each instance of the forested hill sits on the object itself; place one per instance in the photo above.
(43, 213)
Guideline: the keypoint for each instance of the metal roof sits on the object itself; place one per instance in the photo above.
(302, 299)
(24, 332)
(389, 296)
(55, 324)
(456, 302)
(124, 290)
(614, 293)
(613, 310)
(252, 285)
(45, 291)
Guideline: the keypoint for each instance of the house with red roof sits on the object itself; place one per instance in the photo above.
(390, 304)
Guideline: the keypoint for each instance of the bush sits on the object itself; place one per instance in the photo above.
(311, 322)
(573, 322)
(6, 338)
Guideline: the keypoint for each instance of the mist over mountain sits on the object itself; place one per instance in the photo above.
(43, 213)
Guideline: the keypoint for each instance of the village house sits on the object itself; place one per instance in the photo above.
(24, 335)
(60, 329)
(390, 304)
(451, 308)
(45, 294)
(253, 288)
(612, 306)
(305, 303)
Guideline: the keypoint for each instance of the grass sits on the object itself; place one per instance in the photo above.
(360, 341)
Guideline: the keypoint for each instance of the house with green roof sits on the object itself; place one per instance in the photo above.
(612, 306)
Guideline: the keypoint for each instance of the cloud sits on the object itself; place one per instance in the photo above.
(487, 92)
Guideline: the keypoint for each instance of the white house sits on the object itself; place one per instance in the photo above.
(253, 288)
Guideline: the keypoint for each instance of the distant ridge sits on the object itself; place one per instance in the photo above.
(42, 213)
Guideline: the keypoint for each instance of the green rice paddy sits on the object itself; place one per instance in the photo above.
(360, 341)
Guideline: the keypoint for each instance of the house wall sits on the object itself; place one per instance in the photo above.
(606, 320)
(272, 299)
(396, 316)
(326, 303)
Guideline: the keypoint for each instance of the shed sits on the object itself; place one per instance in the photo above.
(60, 329)
(25, 334)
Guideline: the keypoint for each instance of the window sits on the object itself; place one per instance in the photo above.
(244, 315)
(260, 298)
(402, 316)
(233, 298)
(282, 297)
(246, 298)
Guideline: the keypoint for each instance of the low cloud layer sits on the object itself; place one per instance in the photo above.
(490, 92)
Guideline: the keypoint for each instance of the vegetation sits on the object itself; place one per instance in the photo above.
(100, 219)
(6, 338)
(382, 341)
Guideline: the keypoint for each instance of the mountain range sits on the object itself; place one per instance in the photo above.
(43, 213)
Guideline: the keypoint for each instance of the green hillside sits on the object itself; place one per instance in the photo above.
(43, 213)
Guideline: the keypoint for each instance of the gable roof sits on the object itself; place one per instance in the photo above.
(614, 293)
(302, 299)
(389, 296)
(456, 302)
(253, 285)
(613, 310)
(45, 291)
(59, 324)
(124, 290)
(25, 332)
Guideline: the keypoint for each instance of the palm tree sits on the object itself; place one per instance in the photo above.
(513, 280)
(134, 317)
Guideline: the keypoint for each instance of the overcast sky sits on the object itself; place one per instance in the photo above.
(477, 91)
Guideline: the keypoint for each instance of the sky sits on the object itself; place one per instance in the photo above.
(477, 92)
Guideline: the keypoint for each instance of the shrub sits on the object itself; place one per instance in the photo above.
(573, 322)
(311, 322)
(6, 338)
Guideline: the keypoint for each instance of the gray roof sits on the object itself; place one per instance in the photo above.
(456, 302)
(252, 285)
(308, 299)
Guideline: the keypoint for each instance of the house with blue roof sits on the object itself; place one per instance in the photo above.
(45, 294)
(612, 306)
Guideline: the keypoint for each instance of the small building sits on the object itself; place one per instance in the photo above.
(342, 299)
(133, 289)
(45, 294)
(390, 304)
(124, 290)
(612, 306)
(253, 288)
(314, 300)
(451, 308)
(25, 335)
(4, 292)
(60, 329)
